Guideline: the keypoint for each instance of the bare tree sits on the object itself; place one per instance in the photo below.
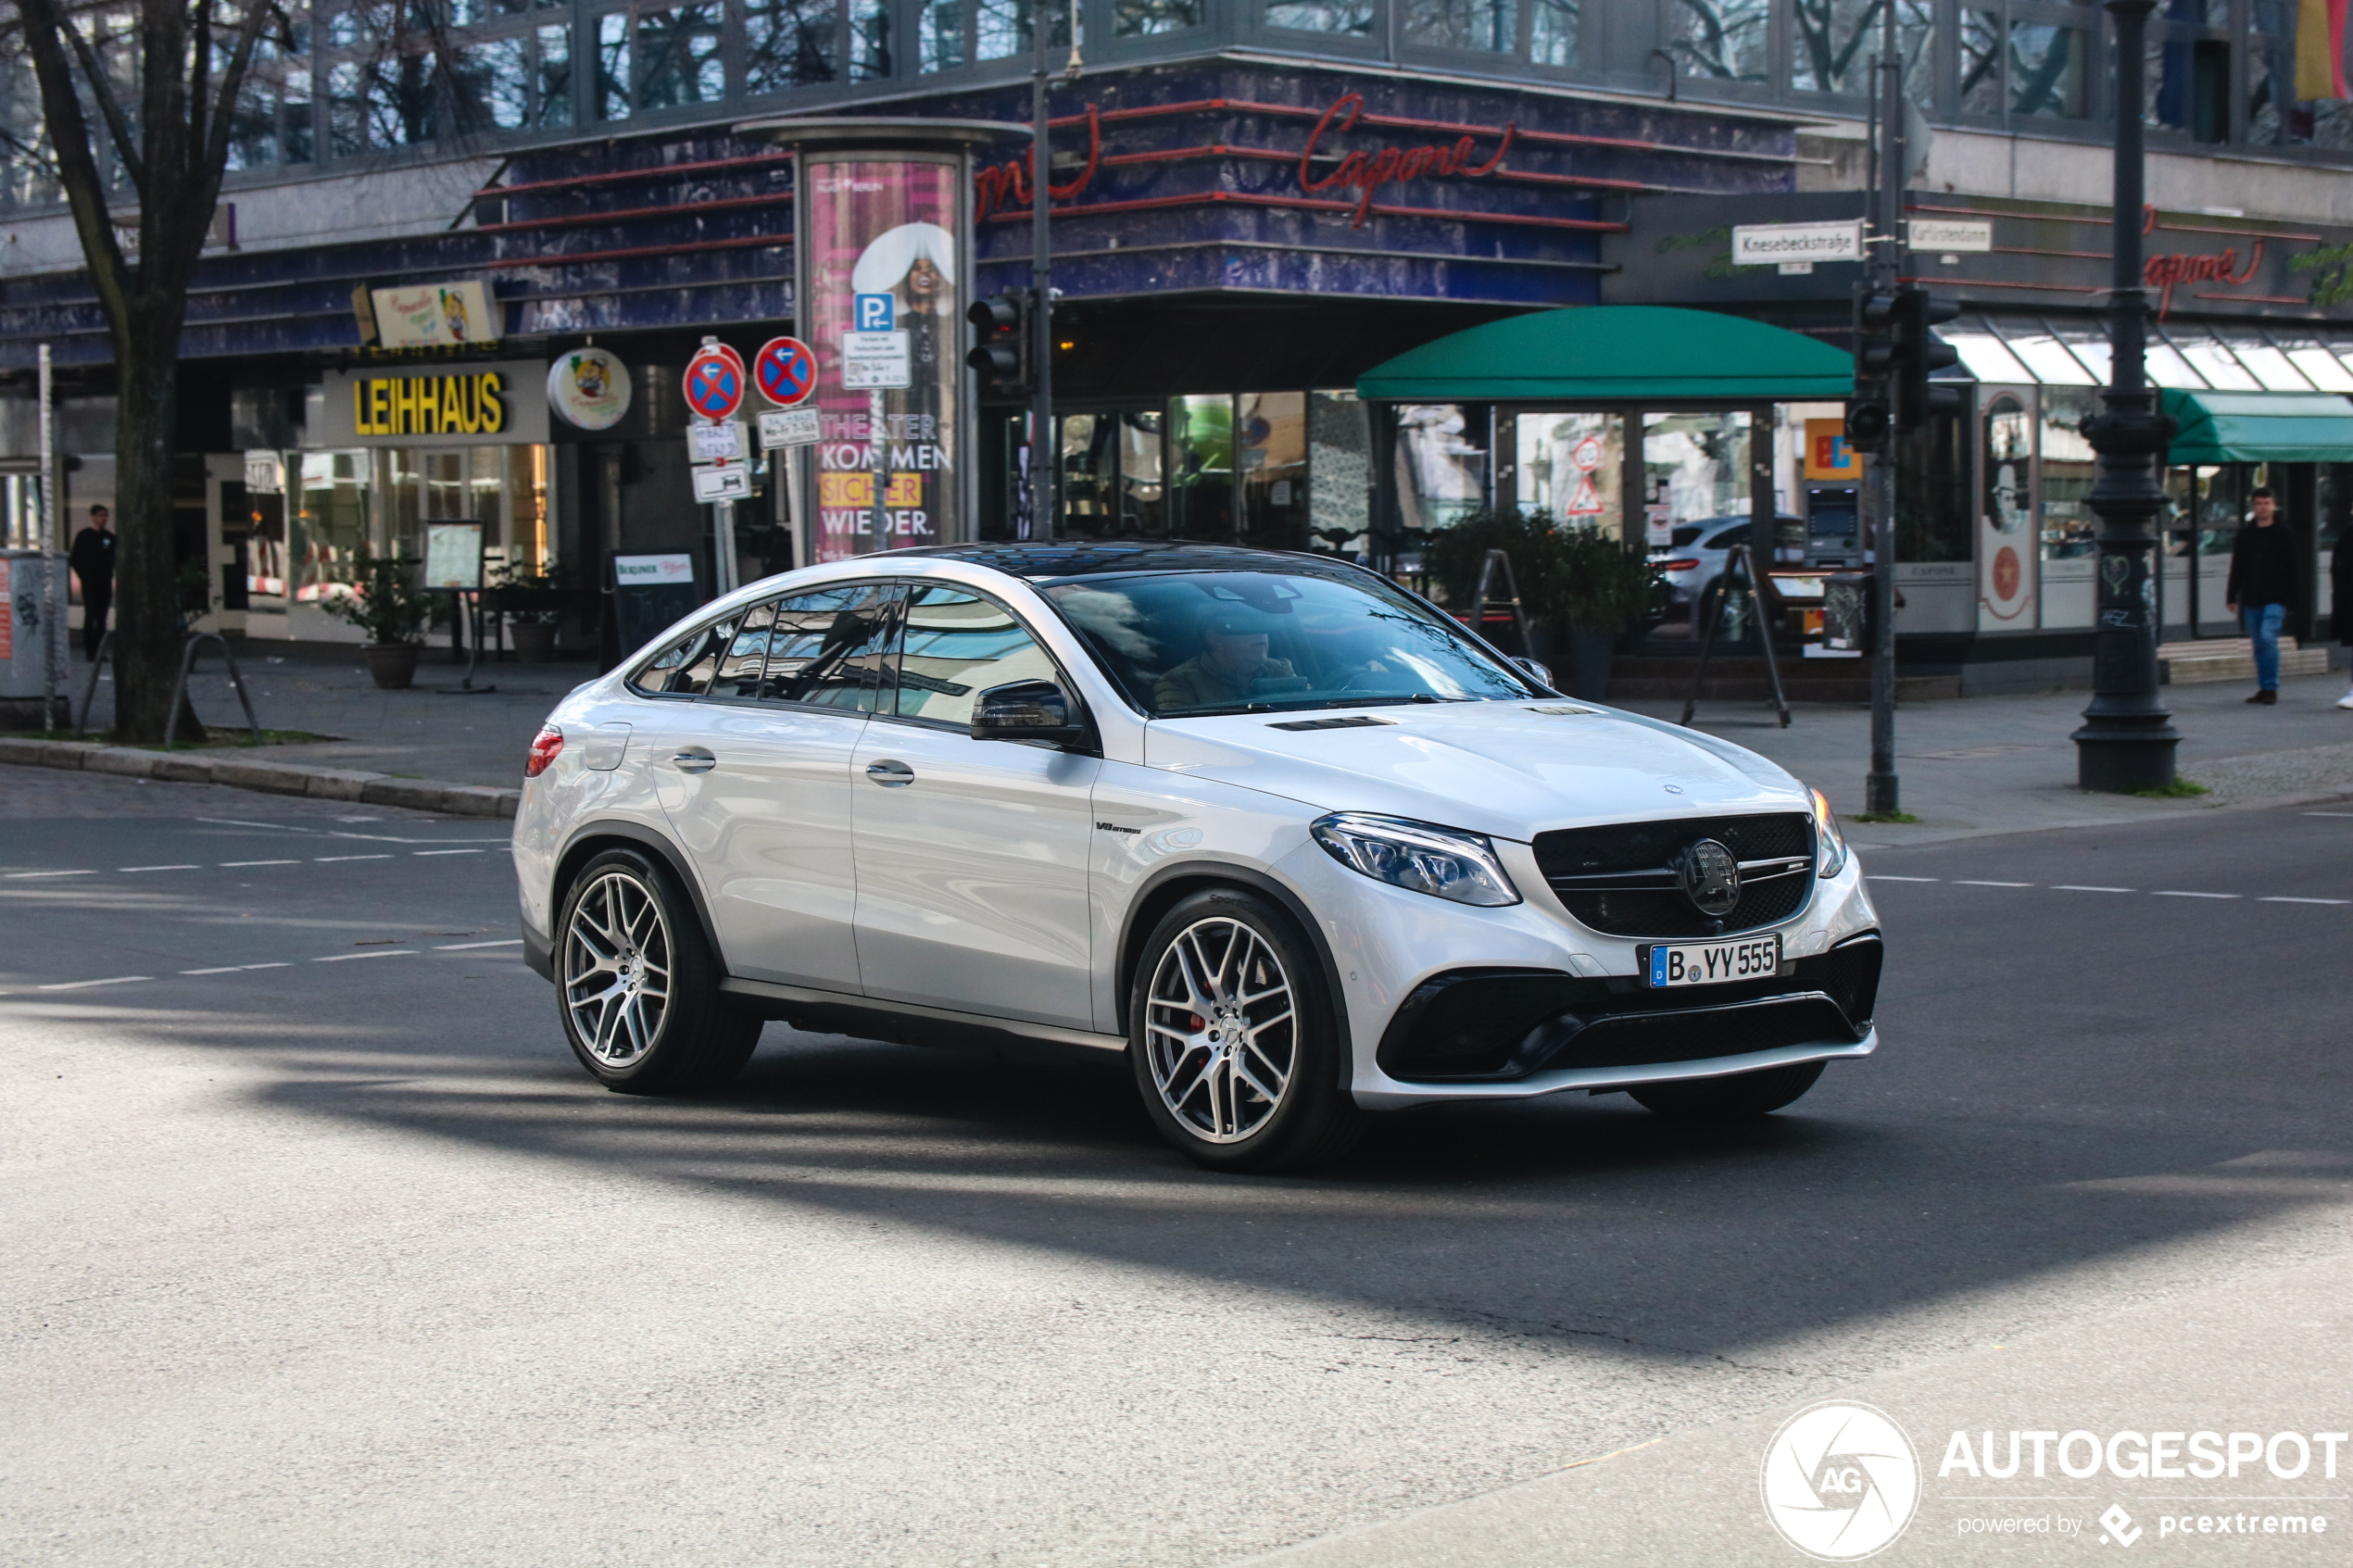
(162, 92)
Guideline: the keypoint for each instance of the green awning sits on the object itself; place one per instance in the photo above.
(2260, 427)
(1652, 354)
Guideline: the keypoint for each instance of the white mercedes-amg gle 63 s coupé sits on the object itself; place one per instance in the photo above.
(1282, 833)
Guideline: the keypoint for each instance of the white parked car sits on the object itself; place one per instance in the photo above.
(1278, 830)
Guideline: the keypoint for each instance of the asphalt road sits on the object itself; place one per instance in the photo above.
(322, 1250)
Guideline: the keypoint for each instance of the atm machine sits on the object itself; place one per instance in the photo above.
(1833, 527)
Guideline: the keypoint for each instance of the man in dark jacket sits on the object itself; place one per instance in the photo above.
(2261, 587)
(92, 561)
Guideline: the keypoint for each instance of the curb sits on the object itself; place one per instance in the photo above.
(238, 771)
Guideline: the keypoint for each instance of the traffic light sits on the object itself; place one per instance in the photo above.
(1919, 354)
(1000, 349)
(1871, 413)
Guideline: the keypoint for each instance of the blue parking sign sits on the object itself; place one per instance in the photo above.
(875, 312)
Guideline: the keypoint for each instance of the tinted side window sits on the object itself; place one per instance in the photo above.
(744, 657)
(832, 648)
(1730, 537)
(957, 644)
(686, 666)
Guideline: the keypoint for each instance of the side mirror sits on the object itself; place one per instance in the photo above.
(1536, 672)
(1027, 710)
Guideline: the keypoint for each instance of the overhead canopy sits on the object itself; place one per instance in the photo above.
(2259, 427)
(1650, 354)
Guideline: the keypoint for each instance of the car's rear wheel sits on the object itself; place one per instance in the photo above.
(1233, 1037)
(1730, 1098)
(637, 983)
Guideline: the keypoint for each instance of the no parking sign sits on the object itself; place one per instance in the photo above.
(715, 381)
(785, 369)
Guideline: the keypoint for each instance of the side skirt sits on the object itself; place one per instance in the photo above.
(833, 1012)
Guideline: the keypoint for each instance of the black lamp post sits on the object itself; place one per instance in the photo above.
(2128, 737)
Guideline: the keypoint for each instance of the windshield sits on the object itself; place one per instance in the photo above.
(1234, 642)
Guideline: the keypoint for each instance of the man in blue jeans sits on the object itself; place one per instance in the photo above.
(2261, 587)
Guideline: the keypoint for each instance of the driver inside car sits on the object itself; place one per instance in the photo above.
(1230, 668)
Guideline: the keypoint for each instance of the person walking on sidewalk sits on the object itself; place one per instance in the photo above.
(2261, 587)
(92, 558)
(2341, 600)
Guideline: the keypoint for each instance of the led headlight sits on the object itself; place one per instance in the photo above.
(1416, 856)
(1830, 845)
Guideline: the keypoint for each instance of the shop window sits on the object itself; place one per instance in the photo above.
(1932, 487)
(1721, 40)
(1143, 19)
(1441, 464)
(612, 65)
(1200, 467)
(790, 44)
(1981, 63)
(1111, 480)
(1834, 44)
(330, 525)
(1553, 31)
(678, 61)
(869, 39)
(1490, 25)
(551, 100)
(526, 535)
(2067, 470)
(1696, 465)
(1340, 470)
(2047, 70)
(491, 83)
(1352, 18)
(1001, 28)
(940, 34)
(1572, 469)
(1270, 452)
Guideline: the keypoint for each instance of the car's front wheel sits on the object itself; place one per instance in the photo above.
(638, 985)
(1733, 1097)
(1233, 1037)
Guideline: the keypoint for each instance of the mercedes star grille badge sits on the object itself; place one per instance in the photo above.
(1711, 878)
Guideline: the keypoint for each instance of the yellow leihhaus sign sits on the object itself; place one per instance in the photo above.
(460, 404)
(456, 403)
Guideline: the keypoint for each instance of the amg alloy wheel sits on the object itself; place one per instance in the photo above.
(1233, 1040)
(638, 985)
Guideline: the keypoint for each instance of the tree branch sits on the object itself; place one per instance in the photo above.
(94, 71)
(77, 169)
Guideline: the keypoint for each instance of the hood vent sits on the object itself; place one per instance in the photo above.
(1563, 710)
(1354, 721)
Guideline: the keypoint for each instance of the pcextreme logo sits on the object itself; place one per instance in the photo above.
(1840, 1481)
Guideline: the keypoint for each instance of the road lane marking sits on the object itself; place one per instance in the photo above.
(1877, 878)
(331, 860)
(2086, 887)
(233, 823)
(189, 868)
(286, 964)
(85, 985)
(347, 958)
(1965, 882)
(2329, 813)
(461, 947)
(444, 851)
(2284, 899)
(2174, 893)
(12, 875)
(224, 969)
(236, 865)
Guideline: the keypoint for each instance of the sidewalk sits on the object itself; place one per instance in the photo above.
(1966, 766)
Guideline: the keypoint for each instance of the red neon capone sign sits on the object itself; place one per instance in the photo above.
(2162, 272)
(1365, 173)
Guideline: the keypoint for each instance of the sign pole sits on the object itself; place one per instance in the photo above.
(1880, 786)
(51, 538)
(1041, 284)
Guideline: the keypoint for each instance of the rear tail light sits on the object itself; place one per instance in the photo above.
(545, 745)
(1678, 565)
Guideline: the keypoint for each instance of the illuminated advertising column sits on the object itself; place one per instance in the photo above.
(882, 275)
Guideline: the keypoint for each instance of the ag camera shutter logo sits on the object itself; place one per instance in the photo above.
(1840, 1481)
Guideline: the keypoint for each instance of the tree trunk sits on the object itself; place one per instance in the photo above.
(148, 640)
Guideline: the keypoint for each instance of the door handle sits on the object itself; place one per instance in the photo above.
(693, 759)
(890, 775)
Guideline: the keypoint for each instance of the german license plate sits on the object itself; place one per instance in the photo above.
(1711, 964)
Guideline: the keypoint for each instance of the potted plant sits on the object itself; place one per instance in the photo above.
(1455, 557)
(1601, 587)
(387, 605)
(534, 604)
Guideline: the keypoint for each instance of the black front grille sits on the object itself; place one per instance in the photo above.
(1637, 848)
(1498, 1025)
